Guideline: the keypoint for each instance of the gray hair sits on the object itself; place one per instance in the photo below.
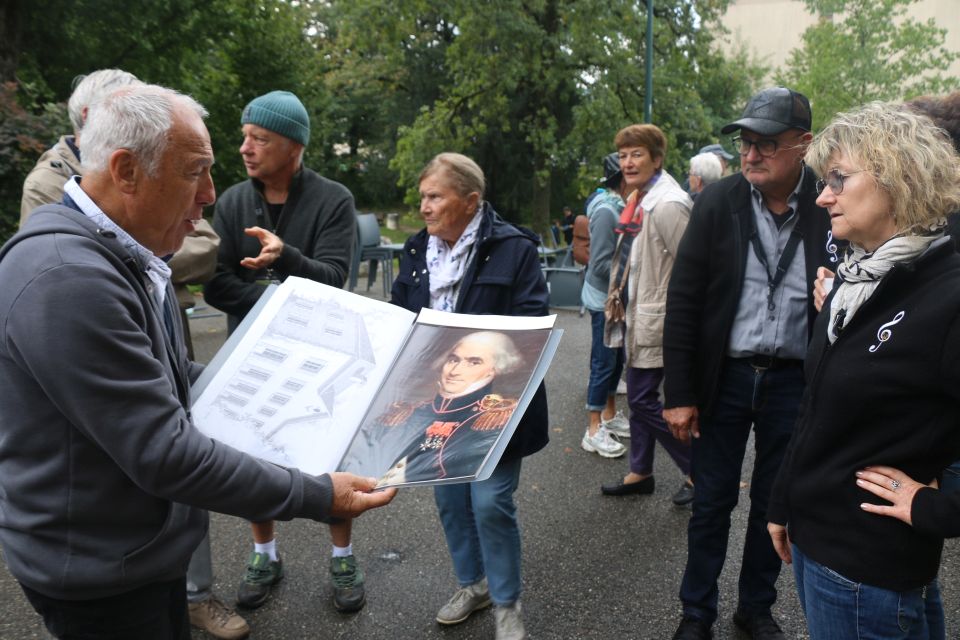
(464, 175)
(506, 358)
(93, 88)
(707, 167)
(137, 118)
(909, 157)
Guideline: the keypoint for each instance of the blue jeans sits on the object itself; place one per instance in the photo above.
(480, 524)
(769, 401)
(606, 365)
(840, 609)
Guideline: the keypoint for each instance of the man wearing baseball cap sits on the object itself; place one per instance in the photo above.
(722, 154)
(739, 314)
(286, 220)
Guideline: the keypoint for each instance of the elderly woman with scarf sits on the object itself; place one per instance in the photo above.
(469, 260)
(651, 225)
(855, 505)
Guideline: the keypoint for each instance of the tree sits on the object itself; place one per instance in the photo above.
(538, 89)
(864, 50)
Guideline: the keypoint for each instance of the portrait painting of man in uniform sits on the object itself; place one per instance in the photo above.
(446, 405)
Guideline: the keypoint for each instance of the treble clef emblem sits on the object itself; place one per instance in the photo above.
(885, 333)
(832, 247)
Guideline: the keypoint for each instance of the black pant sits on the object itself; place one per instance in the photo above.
(157, 611)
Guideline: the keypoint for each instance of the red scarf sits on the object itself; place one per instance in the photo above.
(631, 218)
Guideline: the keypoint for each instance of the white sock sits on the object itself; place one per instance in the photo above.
(342, 552)
(269, 548)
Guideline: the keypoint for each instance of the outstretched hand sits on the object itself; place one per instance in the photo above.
(893, 486)
(352, 495)
(271, 246)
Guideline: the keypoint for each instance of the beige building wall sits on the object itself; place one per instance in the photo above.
(772, 28)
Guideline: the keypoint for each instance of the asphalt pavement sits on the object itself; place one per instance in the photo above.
(595, 567)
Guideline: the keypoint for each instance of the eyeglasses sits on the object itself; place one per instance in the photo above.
(834, 179)
(766, 147)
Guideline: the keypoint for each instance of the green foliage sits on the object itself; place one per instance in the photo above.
(534, 90)
(863, 50)
(24, 136)
(537, 90)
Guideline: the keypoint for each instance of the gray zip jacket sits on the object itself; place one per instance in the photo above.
(98, 457)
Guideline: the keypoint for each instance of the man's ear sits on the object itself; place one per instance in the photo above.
(125, 170)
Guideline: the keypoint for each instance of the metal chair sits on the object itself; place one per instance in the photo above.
(564, 284)
(368, 249)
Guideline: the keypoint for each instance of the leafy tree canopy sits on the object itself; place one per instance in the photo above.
(864, 50)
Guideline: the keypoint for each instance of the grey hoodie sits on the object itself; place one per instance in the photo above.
(98, 457)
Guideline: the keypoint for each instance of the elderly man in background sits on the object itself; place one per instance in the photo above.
(104, 478)
(194, 263)
(286, 220)
(722, 155)
(739, 315)
(705, 168)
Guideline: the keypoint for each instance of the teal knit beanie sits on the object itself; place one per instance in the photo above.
(280, 112)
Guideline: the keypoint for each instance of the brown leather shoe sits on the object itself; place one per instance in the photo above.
(217, 619)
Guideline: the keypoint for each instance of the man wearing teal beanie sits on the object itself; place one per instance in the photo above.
(286, 220)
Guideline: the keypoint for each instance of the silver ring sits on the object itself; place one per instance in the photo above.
(894, 484)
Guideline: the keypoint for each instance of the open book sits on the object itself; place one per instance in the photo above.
(321, 379)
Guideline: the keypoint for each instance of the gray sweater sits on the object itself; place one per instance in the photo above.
(98, 457)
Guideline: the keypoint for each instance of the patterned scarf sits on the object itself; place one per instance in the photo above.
(631, 217)
(447, 265)
(861, 273)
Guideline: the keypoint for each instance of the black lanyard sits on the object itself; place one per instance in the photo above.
(785, 258)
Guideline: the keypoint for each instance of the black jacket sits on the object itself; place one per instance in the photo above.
(504, 279)
(886, 392)
(317, 226)
(708, 278)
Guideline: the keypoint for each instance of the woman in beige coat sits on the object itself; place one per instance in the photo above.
(659, 222)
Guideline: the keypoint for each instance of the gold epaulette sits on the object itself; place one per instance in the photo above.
(495, 412)
(398, 413)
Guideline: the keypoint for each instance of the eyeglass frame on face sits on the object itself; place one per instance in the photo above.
(832, 178)
(739, 144)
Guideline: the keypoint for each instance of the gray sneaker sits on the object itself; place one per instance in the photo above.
(618, 425)
(464, 602)
(602, 443)
(509, 624)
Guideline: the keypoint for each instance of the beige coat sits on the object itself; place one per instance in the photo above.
(44, 183)
(666, 211)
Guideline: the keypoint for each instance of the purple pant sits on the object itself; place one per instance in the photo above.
(646, 423)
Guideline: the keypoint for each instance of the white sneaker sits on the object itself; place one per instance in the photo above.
(618, 425)
(602, 443)
(509, 624)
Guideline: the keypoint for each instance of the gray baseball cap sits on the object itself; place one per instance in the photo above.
(772, 111)
(717, 149)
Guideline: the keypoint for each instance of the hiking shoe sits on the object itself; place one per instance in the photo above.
(509, 624)
(464, 602)
(347, 578)
(618, 425)
(217, 619)
(602, 443)
(261, 574)
(759, 626)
